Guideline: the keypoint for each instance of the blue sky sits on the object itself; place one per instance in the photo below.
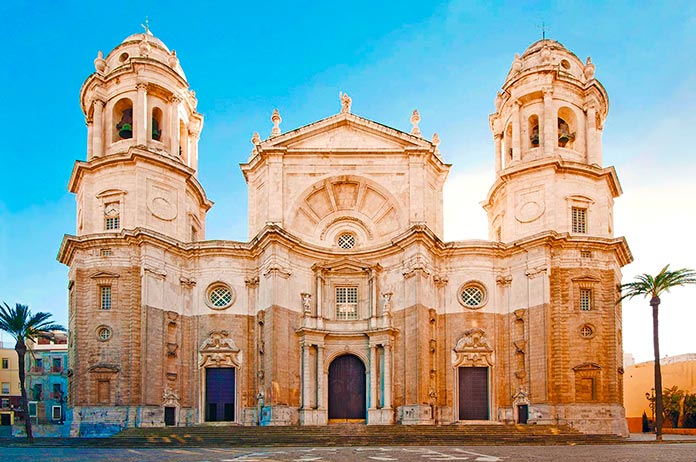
(447, 59)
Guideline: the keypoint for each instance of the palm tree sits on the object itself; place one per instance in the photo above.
(21, 324)
(648, 286)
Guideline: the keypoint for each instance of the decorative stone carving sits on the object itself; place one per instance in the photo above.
(415, 120)
(173, 60)
(170, 397)
(503, 280)
(386, 302)
(306, 302)
(589, 69)
(473, 350)
(516, 63)
(276, 119)
(100, 62)
(346, 102)
(535, 272)
(218, 350)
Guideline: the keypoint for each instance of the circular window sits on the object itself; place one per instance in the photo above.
(220, 296)
(565, 64)
(346, 241)
(472, 295)
(587, 331)
(103, 333)
(123, 57)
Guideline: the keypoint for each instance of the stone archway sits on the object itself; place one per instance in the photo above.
(347, 389)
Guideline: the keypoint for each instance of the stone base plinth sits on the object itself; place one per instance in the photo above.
(416, 414)
(380, 416)
(313, 417)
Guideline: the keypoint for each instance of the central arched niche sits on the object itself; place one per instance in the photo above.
(344, 204)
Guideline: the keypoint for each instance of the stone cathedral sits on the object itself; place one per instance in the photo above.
(345, 304)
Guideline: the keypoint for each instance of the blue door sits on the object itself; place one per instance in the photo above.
(219, 394)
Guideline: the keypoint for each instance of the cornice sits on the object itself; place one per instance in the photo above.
(134, 154)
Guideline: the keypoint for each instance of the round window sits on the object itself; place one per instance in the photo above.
(472, 295)
(586, 331)
(103, 333)
(565, 64)
(346, 241)
(220, 296)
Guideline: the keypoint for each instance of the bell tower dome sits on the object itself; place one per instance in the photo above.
(142, 144)
(548, 149)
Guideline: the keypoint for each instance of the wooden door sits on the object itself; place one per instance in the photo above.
(347, 398)
(522, 413)
(219, 394)
(169, 416)
(473, 393)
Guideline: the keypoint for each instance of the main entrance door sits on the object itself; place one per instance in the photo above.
(473, 393)
(347, 389)
(219, 394)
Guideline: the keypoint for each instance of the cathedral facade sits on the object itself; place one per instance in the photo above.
(345, 305)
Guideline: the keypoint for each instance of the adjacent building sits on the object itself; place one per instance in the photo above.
(345, 304)
(10, 393)
(47, 378)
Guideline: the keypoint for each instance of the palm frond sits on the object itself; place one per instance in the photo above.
(648, 286)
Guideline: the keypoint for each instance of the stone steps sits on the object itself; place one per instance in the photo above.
(358, 435)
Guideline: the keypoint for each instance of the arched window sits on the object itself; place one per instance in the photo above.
(566, 128)
(123, 120)
(157, 124)
(533, 125)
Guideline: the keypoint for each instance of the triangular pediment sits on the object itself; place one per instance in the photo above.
(104, 275)
(346, 265)
(346, 132)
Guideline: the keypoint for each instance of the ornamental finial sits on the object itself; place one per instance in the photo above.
(256, 139)
(415, 120)
(346, 101)
(276, 119)
(100, 62)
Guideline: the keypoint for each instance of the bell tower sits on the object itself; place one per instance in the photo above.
(142, 145)
(547, 129)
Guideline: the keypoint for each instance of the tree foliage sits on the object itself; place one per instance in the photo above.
(690, 410)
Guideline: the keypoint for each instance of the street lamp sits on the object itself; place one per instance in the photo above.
(651, 398)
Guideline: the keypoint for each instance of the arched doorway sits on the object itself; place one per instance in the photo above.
(347, 398)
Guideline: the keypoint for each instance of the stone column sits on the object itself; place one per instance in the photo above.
(373, 377)
(550, 124)
(140, 115)
(98, 128)
(387, 376)
(193, 151)
(174, 126)
(320, 376)
(306, 377)
(516, 132)
(320, 295)
(497, 139)
(593, 155)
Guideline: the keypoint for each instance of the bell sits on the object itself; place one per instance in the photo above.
(156, 132)
(125, 125)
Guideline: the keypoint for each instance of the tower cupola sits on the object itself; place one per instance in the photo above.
(550, 106)
(547, 128)
(139, 96)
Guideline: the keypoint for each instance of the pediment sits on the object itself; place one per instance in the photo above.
(104, 275)
(346, 132)
(346, 265)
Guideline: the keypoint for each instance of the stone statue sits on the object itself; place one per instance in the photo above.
(346, 101)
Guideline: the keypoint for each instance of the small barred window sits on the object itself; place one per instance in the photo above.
(472, 295)
(585, 299)
(346, 241)
(103, 334)
(579, 220)
(105, 297)
(346, 303)
(105, 252)
(111, 223)
(585, 254)
(220, 296)
(586, 331)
